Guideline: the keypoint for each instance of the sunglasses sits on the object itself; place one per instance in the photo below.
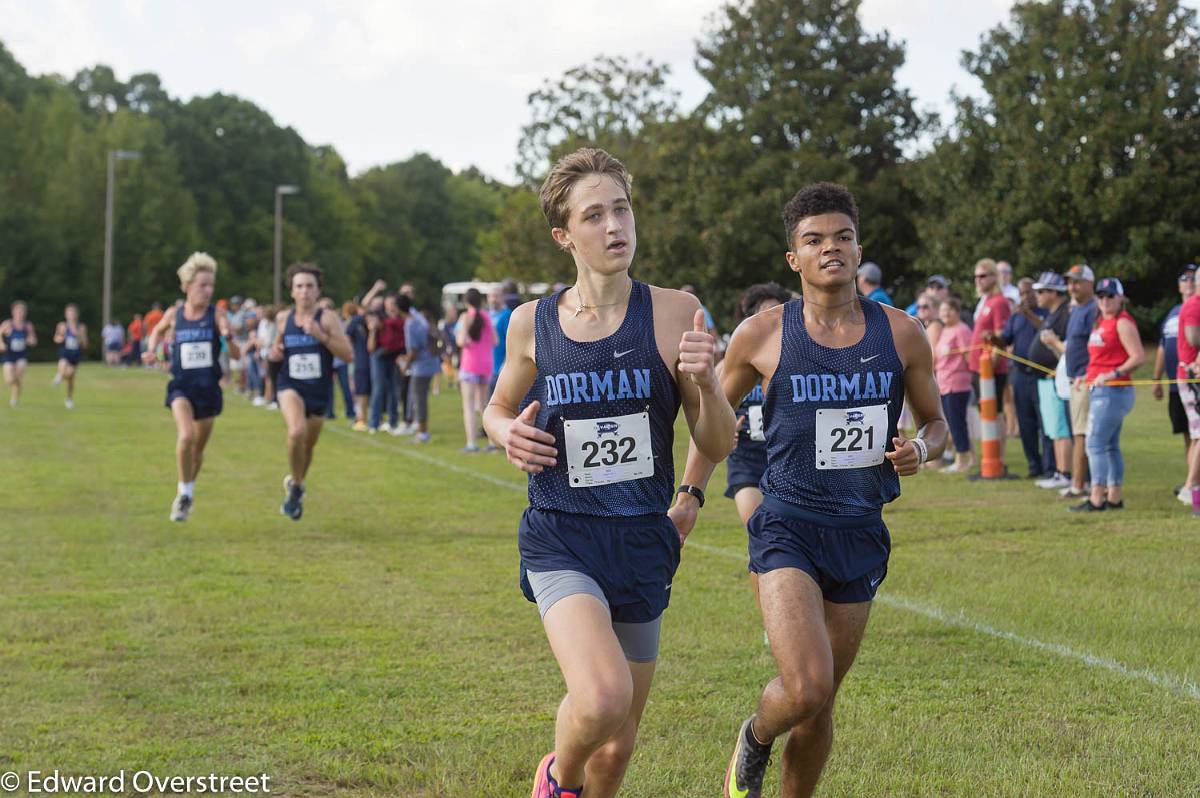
(982, 276)
(923, 307)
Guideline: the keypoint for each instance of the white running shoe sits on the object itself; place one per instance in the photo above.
(181, 508)
(70, 404)
(1055, 482)
(258, 401)
(385, 427)
(403, 429)
(57, 380)
(272, 405)
(1185, 495)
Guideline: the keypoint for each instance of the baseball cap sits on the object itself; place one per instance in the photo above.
(939, 280)
(1081, 271)
(1049, 281)
(871, 272)
(235, 300)
(1110, 286)
(1188, 273)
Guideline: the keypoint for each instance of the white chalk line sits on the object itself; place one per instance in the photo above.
(1176, 684)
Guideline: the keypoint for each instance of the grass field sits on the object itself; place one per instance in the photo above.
(380, 646)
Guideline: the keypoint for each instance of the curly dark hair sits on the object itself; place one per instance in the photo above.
(755, 294)
(816, 199)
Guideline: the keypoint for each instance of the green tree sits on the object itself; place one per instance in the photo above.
(799, 93)
(519, 244)
(1085, 141)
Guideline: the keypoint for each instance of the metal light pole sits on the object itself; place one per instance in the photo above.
(280, 191)
(109, 195)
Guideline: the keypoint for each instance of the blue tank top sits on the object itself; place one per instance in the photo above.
(16, 342)
(751, 410)
(307, 364)
(830, 414)
(70, 339)
(590, 383)
(195, 352)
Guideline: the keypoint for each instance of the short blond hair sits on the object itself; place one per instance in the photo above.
(572, 168)
(198, 262)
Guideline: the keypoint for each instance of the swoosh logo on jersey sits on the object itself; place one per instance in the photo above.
(867, 359)
(876, 581)
(622, 354)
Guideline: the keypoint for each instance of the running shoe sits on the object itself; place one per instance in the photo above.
(1184, 495)
(359, 426)
(543, 784)
(181, 508)
(57, 380)
(293, 505)
(70, 404)
(421, 437)
(1086, 506)
(1115, 505)
(469, 449)
(1070, 492)
(404, 429)
(747, 766)
(385, 427)
(258, 401)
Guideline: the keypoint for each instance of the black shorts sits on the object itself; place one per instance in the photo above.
(1179, 421)
(206, 402)
(846, 556)
(744, 467)
(632, 559)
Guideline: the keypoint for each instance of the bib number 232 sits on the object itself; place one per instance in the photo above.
(852, 437)
(601, 451)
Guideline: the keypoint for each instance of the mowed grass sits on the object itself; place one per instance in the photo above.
(380, 646)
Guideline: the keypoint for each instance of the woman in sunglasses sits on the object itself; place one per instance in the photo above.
(1114, 352)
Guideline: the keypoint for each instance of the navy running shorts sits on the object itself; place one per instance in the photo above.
(744, 468)
(846, 556)
(632, 559)
(206, 402)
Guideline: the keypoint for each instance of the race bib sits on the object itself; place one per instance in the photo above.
(17, 345)
(305, 367)
(71, 342)
(851, 437)
(754, 423)
(196, 355)
(601, 451)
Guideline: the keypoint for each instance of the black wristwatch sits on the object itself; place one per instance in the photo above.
(694, 491)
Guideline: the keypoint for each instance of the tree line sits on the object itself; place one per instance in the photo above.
(1083, 146)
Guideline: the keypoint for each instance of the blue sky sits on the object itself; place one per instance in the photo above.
(383, 79)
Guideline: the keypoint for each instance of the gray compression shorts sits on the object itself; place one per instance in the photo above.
(639, 641)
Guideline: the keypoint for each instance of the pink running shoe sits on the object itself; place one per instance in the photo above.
(543, 784)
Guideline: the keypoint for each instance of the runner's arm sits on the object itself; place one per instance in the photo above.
(32, 334)
(83, 336)
(276, 354)
(528, 448)
(738, 376)
(162, 328)
(335, 338)
(921, 390)
(60, 333)
(226, 332)
(709, 416)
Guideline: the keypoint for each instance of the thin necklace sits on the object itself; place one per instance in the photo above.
(581, 307)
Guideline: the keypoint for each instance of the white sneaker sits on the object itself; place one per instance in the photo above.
(272, 405)
(385, 427)
(57, 380)
(70, 404)
(258, 401)
(1185, 495)
(1057, 481)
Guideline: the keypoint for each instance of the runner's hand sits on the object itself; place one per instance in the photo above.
(683, 514)
(313, 328)
(741, 422)
(149, 357)
(529, 448)
(904, 457)
(697, 354)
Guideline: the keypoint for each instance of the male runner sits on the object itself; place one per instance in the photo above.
(71, 337)
(306, 344)
(836, 369)
(586, 405)
(16, 336)
(194, 393)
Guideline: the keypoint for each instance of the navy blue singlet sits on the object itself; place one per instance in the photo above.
(307, 364)
(69, 350)
(619, 375)
(195, 364)
(851, 386)
(16, 343)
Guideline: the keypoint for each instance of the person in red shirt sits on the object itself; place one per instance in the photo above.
(1114, 352)
(994, 310)
(1187, 346)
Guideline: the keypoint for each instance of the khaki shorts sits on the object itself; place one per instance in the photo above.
(1079, 407)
